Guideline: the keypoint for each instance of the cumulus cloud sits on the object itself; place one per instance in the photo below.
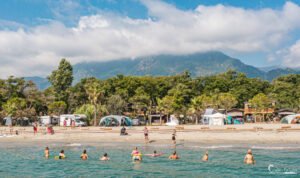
(292, 56)
(168, 30)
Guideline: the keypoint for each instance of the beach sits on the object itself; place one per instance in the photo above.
(235, 134)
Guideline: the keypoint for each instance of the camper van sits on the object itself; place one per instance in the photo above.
(79, 119)
(47, 120)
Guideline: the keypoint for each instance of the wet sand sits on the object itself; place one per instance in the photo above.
(234, 134)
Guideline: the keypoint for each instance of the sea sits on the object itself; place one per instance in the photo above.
(225, 160)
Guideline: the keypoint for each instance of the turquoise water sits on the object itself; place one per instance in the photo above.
(18, 160)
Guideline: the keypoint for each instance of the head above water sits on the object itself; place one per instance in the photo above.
(105, 155)
(174, 153)
(154, 151)
(249, 151)
(84, 151)
(46, 148)
(62, 151)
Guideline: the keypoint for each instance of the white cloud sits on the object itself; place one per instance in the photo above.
(292, 57)
(36, 50)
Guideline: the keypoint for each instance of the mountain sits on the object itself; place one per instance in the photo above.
(198, 64)
(41, 83)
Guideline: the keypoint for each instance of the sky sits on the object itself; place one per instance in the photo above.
(36, 34)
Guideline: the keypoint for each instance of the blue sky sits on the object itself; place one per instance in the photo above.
(35, 34)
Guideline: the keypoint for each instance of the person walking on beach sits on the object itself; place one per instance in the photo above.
(35, 128)
(146, 134)
(205, 156)
(65, 123)
(249, 159)
(174, 137)
(84, 155)
(104, 157)
(47, 153)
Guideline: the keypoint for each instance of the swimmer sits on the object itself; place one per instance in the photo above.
(249, 159)
(154, 154)
(174, 156)
(62, 155)
(135, 151)
(84, 155)
(46, 152)
(205, 156)
(104, 157)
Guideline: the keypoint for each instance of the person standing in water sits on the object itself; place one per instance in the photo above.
(104, 157)
(249, 159)
(84, 155)
(62, 155)
(47, 153)
(174, 156)
(205, 156)
(146, 134)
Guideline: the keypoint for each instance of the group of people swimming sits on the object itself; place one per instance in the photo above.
(137, 156)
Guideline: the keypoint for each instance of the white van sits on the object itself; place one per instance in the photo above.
(79, 119)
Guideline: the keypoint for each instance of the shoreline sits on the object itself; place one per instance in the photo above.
(194, 134)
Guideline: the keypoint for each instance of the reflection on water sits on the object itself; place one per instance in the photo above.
(18, 160)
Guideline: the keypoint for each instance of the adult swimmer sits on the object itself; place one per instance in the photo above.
(154, 154)
(174, 156)
(249, 159)
(136, 155)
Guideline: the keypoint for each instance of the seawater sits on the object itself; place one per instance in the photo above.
(23, 160)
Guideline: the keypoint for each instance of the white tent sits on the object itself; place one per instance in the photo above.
(289, 119)
(173, 121)
(214, 119)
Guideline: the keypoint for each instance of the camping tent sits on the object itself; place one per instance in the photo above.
(290, 119)
(214, 119)
(8, 121)
(173, 121)
(115, 120)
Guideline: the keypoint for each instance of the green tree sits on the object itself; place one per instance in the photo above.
(57, 108)
(260, 102)
(116, 104)
(61, 80)
(94, 91)
(225, 101)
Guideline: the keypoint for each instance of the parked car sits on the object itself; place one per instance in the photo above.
(139, 120)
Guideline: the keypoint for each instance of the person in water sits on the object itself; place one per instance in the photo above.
(249, 159)
(46, 152)
(104, 157)
(136, 155)
(84, 155)
(205, 156)
(62, 155)
(174, 156)
(154, 154)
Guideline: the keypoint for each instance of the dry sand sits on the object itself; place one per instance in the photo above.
(230, 134)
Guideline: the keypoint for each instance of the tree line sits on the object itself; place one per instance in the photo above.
(179, 94)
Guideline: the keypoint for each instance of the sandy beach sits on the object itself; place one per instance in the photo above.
(235, 134)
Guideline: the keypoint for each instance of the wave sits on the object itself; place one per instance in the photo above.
(6, 136)
(276, 147)
(73, 144)
(281, 171)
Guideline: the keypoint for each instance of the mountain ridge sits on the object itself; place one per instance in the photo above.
(198, 64)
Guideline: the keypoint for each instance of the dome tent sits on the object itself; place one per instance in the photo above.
(115, 120)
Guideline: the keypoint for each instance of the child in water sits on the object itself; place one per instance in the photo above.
(205, 156)
(62, 155)
(136, 155)
(249, 159)
(84, 155)
(104, 157)
(46, 152)
(174, 156)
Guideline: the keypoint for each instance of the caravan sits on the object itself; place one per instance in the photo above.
(49, 120)
(78, 119)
